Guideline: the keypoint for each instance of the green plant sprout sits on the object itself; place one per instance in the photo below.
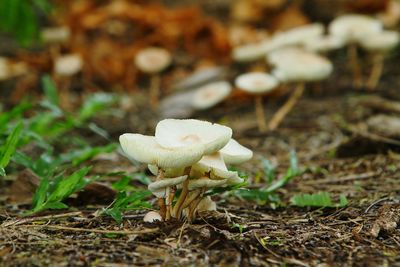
(320, 199)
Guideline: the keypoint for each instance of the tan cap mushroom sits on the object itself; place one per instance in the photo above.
(235, 153)
(211, 94)
(174, 133)
(153, 59)
(145, 149)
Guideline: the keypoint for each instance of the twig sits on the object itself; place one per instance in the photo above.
(48, 217)
(347, 178)
(375, 203)
(99, 231)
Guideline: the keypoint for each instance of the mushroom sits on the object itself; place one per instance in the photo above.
(323, 43)
(68, 65)
(257, 83)
(296, 35)
(159, 188)
(235, 153)
(210, 95)
(55, 34)
(379, 44)
(152, 61)
(352, 27)
(152, 216)
(296, 65)
(145, 149)
(249, 52)
(173, 133)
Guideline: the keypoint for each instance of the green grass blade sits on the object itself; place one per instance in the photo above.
(8, 149)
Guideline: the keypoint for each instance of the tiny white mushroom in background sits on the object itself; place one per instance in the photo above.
(68, 65)
(379, 44)
(173, 133)
(299, 66)
(152, 216)
(249, 52)
(153, 60)
(9, 69)
(257, 83)
(210, 95)
(55, 34)
(324, 43)
(296, 35)
(352, 27)
(391, 16)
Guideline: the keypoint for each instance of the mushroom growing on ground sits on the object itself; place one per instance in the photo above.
(323, 43)
(152, 61)
(352, 28)
(379, 44)
(68, 65)
(210, 94)
(299, 66)
(184, 154)
(257, 83)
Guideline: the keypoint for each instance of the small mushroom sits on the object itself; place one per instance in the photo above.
(55, 34)
(324, 43)
(249, 52)
(296, 65)
(296, 35)
(68, 65)
(210, 95)
(152, 216)
(235, 153)
(153, 60)
(173, 133)
(352, 27)
(257, 83)
(379, 44)
(206, 204)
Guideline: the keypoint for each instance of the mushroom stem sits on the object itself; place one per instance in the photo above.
(161, 200)
(155, 82)
(287, 107)
(262, 125)
(376, 71)
(177, 210)
(170, 198)
(355, 65)
(194, 204)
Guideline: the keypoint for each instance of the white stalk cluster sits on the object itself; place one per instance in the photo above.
(190, 155)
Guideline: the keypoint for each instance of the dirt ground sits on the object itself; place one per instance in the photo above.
(362, 234)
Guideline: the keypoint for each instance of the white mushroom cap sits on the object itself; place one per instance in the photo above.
(205, 182)
(256, 82)
(296, 35)
(352, 27)
(152, 216)
(381, 41)
(159, 188)
(173, 133)
(215, 166)
(68, 65)
(249, 52)
(206, 204)
(211, 94)
(298, 65)
(235, 153)
(153, 59)
(145, 149)
(55, 34)
(324, 43)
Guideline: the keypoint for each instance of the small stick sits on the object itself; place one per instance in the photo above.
(34, 219)
(376, 71)
(355, 65)
(287, 107)
(99, 231)
(155, 82)
(262, 125)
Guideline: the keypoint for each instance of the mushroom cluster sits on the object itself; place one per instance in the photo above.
(189, 156)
